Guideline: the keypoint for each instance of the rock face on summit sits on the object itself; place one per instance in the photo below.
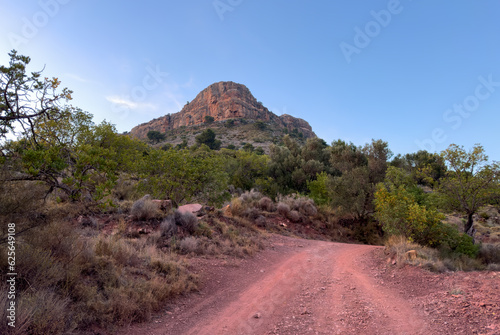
(222, 101)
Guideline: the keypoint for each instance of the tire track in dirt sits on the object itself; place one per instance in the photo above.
(311, 287)
(365, 306)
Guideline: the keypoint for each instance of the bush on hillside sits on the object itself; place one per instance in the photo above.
(145, 209)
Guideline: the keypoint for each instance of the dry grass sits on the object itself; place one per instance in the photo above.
(125, 189)
(283, 209)
(21, 197)
(266, 204)
(237, 207)
(294, 216)
(490, 254)
(231, 236)
(168, 228)
(405, 252)
(303, 205)
(145, 209)
(189, 245)
(37, 312)
(261, 221)
(186, 220)
(67, 280)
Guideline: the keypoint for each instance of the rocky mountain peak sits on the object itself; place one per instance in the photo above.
(222, 101)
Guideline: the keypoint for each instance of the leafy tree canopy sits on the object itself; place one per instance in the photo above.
(25, 97)
(470, 182)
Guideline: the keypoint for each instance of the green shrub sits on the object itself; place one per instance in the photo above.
(203, 230)
(400, 214)
(466, 246)
(458, 242)
(318, 189)
(260, 125)
(484, 215)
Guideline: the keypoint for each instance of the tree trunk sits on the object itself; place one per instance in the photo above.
(469, 226)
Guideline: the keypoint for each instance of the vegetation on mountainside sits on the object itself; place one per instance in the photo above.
(94, 248)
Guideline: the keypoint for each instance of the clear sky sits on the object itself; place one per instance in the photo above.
(417, 74)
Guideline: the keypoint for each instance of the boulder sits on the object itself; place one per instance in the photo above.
(191, 208)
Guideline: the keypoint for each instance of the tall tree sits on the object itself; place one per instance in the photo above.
(470, 181)
(25, 98)
(360, 169)
(71, 155)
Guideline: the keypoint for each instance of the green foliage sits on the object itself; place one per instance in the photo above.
(209, 119)
(260, 125)
(248, 147)
(24, 99)
(207, 137)
(459, 242)
(61, 146)
(182, 145)
(245, 169)
(351, 192)
(400, 214)
(292, 166)
(360, 169)
(155, 136)
(296, 133)
(469, 182)
(404, 211)
(318, 189)
(424, 167)
(167, 146)
(259, 151)
(183, 176)
(70, 154)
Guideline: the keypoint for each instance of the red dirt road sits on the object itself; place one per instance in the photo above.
(295, 287)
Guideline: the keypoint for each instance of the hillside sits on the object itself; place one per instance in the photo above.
(235, 115)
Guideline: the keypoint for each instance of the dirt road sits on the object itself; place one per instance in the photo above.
(295, 287)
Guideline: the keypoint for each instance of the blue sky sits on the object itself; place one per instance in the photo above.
(417, 74)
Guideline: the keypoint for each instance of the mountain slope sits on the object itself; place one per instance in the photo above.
(224, 103)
